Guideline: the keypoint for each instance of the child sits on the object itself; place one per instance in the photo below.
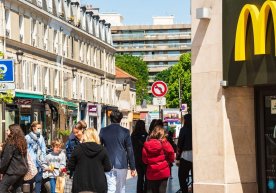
(55, 163)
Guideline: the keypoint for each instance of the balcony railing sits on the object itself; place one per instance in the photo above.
(169, 45)
(149, 35)
(160, 56)
(160, 65)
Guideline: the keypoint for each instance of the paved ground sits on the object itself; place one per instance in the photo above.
(172, 187)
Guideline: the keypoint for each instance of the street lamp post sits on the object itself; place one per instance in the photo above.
(19, 57)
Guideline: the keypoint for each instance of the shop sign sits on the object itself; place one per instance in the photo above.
(259, 19)
(92, 110)
(248, 41)
(273, 106)
(23, 101)
(136, 116)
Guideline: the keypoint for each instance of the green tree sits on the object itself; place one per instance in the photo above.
(137, 68)
(179, 73)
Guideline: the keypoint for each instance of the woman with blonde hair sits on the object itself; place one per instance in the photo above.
(157, 154)
(89, 162)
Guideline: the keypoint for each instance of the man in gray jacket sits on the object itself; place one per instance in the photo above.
(117, 141)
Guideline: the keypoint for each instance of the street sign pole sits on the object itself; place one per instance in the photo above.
(159, 111)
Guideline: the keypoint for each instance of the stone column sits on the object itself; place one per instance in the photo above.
(224, 154)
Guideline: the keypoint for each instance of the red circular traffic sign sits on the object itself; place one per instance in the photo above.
(159, 88)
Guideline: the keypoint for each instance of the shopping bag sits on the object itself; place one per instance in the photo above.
(60, 184)
(68, 184)
(32, 170)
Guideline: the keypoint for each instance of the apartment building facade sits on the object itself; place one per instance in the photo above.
(160, 44)
(67, 64)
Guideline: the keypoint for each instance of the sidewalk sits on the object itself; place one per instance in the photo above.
(173, 184)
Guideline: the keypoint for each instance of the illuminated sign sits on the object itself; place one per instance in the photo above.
(259, 20)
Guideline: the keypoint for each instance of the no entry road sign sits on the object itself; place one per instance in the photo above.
(159, 88)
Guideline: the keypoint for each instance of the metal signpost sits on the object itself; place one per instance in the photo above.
(159, 90)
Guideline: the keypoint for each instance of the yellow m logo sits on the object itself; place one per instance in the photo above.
(259, 21)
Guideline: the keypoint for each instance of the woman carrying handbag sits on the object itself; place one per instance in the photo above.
(13, 159)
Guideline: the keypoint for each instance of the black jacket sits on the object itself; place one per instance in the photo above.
(185, 139)
(89, 161)
(12, 162)
(138, 140)
(117, 142)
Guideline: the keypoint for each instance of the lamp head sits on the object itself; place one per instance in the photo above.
(74, 70)
(19, 55)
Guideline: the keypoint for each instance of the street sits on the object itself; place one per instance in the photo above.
(172, 187)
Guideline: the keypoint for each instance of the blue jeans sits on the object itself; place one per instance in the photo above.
(38, 181)
(116, 180)
(53, 185)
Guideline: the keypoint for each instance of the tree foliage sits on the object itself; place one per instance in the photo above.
(179, 73)
(137, 68)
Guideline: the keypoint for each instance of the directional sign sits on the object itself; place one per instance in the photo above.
(7, 68)
(159, 88)
(184, 107)
(159, 101)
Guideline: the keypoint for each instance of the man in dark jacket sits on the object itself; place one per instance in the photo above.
(184, 153)
(117, 141)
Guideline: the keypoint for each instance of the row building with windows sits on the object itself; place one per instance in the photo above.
(64, 64)
(159, 44)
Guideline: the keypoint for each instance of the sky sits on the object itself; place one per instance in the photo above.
(141, 11)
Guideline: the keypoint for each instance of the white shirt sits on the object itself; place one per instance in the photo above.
(187, 155)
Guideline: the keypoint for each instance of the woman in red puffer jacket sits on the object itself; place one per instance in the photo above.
(157, 154)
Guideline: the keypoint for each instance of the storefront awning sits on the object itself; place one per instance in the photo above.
(28, 95)
(63, 102)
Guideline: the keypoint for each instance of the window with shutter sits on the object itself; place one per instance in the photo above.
(8, 22)
(57, 83)
(35, 77)
(21, 28)
(49, 6)
(45, 39)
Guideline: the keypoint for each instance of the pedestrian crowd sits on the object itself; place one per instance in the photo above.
(97, 163)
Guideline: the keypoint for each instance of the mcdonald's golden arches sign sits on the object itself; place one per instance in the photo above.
(249, 39)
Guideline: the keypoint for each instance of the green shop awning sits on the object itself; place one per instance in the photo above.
(63, 102)
(28, 95)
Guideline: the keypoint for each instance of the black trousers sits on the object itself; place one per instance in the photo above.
(183, 174)
(141, 182)
(10, 181)
(157, 186)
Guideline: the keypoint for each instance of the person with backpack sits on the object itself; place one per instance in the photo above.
(13, 159)
(37, 150)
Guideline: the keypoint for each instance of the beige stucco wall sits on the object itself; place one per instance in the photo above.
(223, 118)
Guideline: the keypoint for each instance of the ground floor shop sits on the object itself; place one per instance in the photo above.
(266, 138)
(234, 96)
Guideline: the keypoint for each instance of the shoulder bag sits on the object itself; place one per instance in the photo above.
(32, 170)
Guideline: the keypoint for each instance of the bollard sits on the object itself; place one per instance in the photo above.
(26, 188)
